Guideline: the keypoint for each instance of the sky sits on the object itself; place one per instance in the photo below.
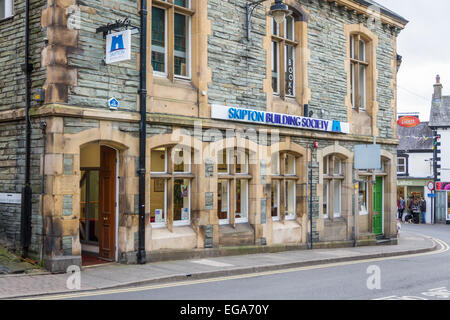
(425, 49)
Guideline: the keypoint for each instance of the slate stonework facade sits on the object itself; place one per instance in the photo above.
(227, 69)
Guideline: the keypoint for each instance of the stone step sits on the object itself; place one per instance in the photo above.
(242, 235)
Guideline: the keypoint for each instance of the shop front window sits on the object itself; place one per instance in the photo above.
(233, 186)
(284, 182)
(170, 188)
(333, 178)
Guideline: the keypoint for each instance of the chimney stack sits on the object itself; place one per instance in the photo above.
(437, 88)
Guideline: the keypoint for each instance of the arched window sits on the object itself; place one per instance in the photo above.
(233, 186)
(359, 64)
(333, 178)
(284, 44)
(170, 188)
(284, 186)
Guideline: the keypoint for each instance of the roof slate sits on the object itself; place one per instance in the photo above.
(440, 113)
(409, 141)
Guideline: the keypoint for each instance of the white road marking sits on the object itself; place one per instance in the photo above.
(212, 263)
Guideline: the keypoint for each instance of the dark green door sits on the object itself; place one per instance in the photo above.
(378, 207)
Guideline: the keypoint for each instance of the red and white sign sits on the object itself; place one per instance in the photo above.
(408, 122)
(430, 185)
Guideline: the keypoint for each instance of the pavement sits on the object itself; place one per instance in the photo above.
(116, 275)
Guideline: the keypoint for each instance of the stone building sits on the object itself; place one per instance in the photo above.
(415, 164)
(228, 134)
(440, 124)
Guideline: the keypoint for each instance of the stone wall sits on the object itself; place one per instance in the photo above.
(12, 177)
(12, 54)
(12, 133)
(98, 82)
(238, 65)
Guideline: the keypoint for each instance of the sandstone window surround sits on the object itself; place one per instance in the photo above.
(333, 181)
(170, 187)
(359, 64)
(284, 186)
(171, 43)
(233, 186)
(284, 44)
(6, 9)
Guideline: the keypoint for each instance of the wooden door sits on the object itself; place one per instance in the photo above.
(107, 239)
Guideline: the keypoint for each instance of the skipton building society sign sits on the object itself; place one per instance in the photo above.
(277, 119)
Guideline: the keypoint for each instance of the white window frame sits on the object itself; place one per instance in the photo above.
(163, 224)
(9, 9)
(398, 165)
(292, 216)
(159, 73)
(187, 222)
(165, 162)
(243, 220)
(337, 214)
(227, 220)
(188, 51)
(363, 88)
(188, 164)
(326, 198)
(277, 62)
(295, 165)
(286, 67)
(278, 202)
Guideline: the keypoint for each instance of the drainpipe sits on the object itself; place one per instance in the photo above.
(141, 255)
(27, 191)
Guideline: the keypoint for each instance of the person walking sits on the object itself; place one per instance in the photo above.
(401, 208)
(423, 209)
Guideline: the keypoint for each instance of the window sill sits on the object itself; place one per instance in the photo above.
(6, 19)
(158, 225)
(162, 79)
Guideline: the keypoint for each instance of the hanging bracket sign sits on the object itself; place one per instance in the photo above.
(118, 46)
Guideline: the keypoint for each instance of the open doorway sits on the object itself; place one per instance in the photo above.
(98, 204)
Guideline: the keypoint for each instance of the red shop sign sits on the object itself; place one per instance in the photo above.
(408, 122)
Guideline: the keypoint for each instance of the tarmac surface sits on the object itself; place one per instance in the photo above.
(115, 276)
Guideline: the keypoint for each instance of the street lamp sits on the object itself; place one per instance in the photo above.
(278, 11)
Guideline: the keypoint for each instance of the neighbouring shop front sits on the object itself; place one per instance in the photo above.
(443, 202)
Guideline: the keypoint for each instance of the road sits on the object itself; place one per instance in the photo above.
(415, 277)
